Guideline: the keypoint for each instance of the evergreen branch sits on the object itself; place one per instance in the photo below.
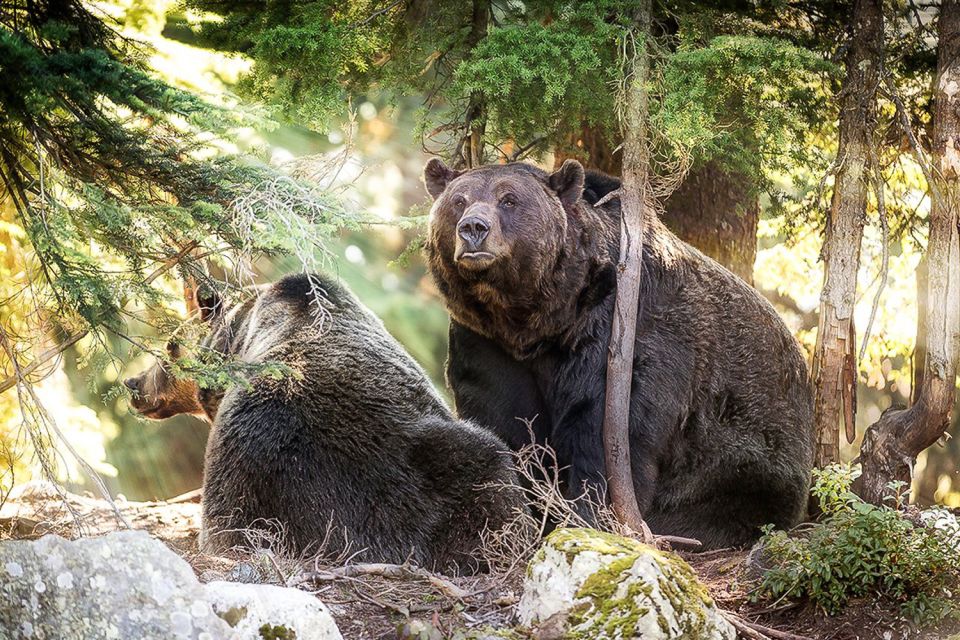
(23, 373)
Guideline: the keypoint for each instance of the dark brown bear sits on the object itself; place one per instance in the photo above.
(355, 439)
(721, 414)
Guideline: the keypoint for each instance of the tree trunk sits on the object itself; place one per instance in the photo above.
(591, 148)
(636, 204)
(890, 446)
(834, 362)
(919, 358)
(714, 210)
(469, 152)
(717, 212)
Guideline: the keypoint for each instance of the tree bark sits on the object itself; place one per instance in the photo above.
(919, 358)
(890, 446)
(834, 371)
(714, 210)
(717, 211)
(469, 152)
(590, 147)
(635, 203)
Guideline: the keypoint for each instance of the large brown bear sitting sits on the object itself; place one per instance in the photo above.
(354, 446)
(721, 414)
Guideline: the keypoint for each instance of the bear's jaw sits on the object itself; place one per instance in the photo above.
(524, 330)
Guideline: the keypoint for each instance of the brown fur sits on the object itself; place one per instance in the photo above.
(720, 409)
(531, 292)
(157, 393)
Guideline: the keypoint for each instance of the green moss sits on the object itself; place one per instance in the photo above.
(572, 541)
(277, 632)
(234, 615)
(613, 616)
(610, 615)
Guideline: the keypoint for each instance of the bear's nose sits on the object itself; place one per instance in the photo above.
(132, 383)
(473, 229)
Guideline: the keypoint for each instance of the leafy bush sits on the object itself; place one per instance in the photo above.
(862, 550)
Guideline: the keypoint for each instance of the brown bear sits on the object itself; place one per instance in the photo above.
(354, 444)
(721, 414)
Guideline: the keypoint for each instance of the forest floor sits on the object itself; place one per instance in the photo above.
(379, 605)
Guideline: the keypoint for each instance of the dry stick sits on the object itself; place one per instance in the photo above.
(634, 200)
(520, 151)
(385, 570)
(759, 631)
(42, 359)
(907, 127)
(45, 464)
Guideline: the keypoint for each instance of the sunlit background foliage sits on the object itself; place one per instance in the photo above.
(355, 101)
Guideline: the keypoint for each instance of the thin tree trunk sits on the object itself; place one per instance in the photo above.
(635, 202)
(834, 369)
(919, 358)
(890, 446)
(471, 146)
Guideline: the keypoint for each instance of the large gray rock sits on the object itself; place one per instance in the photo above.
(587, 584)
(129, 585)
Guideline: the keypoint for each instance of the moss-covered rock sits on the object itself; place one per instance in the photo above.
(598, 585)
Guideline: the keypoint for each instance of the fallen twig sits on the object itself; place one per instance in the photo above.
(756, 631)
(687, 542)
(189, 496)
(384, 570)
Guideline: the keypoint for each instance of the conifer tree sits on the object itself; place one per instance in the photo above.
(112, 180)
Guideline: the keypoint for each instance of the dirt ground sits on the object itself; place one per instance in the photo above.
(417, 605)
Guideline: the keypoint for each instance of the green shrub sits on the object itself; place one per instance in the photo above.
(861, 550)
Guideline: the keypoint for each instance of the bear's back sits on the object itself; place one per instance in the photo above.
(354, 446)
(333, 342)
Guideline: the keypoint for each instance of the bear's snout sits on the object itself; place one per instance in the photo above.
(473, 231)
(133, 384)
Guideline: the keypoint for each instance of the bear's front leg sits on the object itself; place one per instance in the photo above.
(578, 442)
(493, 389)
(659, 399)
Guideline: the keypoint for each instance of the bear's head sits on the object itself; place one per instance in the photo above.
(157, 393)
(514, 248)
(501, 223)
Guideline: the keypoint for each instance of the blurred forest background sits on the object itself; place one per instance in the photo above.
(325, 92)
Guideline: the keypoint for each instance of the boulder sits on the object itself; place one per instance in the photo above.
(259, 610)
(129, 585)
(587, 584)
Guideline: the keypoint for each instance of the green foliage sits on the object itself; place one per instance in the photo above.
(310, 56)
(536, 74)
(747, 100)
(108, 166)
(109, 179)
(861, 550)
(533, 77)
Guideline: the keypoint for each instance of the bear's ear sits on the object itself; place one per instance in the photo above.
(208, 302)
(436, 176)
(567, 181)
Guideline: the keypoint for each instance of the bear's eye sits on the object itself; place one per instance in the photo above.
(459, 202)
(508, 202)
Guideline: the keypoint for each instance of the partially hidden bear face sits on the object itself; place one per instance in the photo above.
(157, 393)
(502, 225)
